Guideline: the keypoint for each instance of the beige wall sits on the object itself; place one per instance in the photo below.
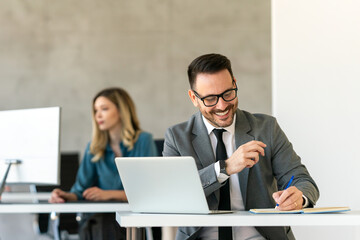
(60, 53)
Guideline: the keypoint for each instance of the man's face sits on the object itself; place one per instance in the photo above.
(222, 114)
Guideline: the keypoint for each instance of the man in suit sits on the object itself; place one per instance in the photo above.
(244, 159)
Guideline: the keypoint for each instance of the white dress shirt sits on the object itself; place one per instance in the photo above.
(237, 203)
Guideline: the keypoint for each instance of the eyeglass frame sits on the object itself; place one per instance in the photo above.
(217, 95)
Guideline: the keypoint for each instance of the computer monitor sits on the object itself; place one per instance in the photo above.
(33, 137)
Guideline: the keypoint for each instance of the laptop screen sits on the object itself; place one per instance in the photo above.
(162, 184)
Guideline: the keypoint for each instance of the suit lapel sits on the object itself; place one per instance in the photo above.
(242, 127)
(202, 145)
(201, 142)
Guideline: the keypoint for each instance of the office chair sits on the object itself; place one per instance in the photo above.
(159, 143)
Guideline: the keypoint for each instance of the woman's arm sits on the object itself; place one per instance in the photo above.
(60, 196)
(97, 194)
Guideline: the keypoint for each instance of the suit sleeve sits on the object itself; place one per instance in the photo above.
(287, 163)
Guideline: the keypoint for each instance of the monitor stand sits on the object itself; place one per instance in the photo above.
(9, 162)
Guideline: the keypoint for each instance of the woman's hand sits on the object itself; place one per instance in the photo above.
(60, 196)
(97, 194)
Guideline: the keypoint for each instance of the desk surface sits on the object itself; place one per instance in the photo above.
(24, 196)
(241, 218)
(22, 203)
(70, 207)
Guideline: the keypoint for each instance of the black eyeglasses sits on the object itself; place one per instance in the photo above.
(212, 100)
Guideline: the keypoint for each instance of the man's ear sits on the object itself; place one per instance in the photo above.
(193, 97)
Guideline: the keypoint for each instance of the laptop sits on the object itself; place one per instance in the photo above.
(163, 185)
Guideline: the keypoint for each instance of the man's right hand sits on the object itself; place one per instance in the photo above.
(246, 156)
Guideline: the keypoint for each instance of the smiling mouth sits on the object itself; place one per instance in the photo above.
(222, 113)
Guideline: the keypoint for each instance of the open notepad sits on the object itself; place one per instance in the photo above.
(305, 210)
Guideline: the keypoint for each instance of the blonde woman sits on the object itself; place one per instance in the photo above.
(116, 132)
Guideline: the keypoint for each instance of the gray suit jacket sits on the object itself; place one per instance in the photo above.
(258, 183)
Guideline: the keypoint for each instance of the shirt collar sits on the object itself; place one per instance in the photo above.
(210, 128)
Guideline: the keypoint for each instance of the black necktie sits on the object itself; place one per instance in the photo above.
(225, 233)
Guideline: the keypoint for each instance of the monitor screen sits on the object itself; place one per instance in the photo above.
(32, 136)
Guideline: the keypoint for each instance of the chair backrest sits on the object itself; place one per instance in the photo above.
(159, 146)
(68, 170)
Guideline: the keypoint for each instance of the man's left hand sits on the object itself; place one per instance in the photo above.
(289, 199)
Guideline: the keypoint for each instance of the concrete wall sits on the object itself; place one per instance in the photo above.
(61, 53)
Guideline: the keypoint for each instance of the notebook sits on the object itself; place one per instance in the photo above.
(305, 210)
(163, 185)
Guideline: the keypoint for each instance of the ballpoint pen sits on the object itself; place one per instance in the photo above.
(287, 186)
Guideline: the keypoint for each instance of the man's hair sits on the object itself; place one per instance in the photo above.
(208, 63)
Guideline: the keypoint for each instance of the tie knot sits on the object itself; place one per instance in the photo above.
(218, 133)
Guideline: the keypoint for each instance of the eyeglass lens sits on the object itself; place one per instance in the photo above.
(227, 96)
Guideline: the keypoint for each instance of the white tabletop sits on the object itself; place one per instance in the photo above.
(28, 203)
(241, 218)
(70, 207)
(24, 196)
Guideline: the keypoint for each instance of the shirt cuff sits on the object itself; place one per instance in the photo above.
(306, 201)
(221, 177)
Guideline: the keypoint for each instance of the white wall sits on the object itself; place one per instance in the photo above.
(316, 86)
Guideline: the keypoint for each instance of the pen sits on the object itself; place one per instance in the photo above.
(287, 186)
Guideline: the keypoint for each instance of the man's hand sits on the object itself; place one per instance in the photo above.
(289, 199)
(246, 156)
(95, 194)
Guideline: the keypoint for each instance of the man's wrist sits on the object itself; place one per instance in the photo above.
(305, 201)
(223, 167)
(220, 176)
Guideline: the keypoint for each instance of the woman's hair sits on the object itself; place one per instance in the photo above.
(130, 127)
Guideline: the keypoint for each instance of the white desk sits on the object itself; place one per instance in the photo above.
(24, 196)
(241, 218)
(62, 207)
(14, 203)
(17, 203)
